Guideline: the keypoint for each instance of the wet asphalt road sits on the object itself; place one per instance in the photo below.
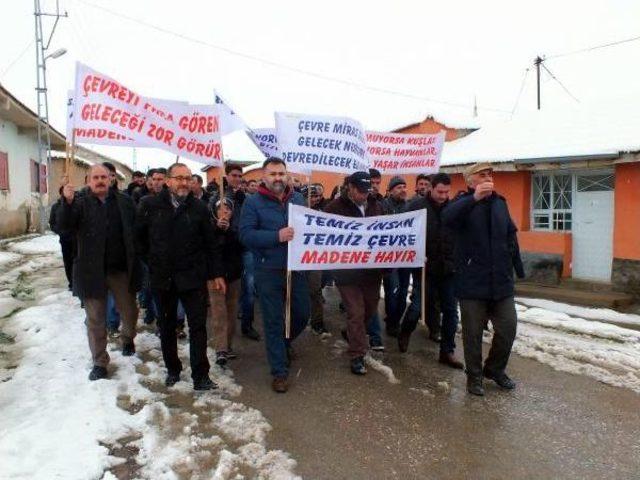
(339, 426)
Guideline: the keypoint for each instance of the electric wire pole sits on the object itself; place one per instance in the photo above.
(44, 136)
(537, 62)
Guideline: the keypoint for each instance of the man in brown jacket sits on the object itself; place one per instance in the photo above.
(359, 289)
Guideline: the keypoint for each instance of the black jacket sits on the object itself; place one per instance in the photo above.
(440, 240)
(486, 248)
(178, 244)
(229, 250)
(345, 207)
(86, 218)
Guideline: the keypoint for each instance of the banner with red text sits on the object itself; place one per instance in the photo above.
(323, 241)
(405, 153)
(108, 113)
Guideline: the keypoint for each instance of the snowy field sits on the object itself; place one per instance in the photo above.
(57, 424)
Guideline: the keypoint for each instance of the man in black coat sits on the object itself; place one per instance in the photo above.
(175, 236)
(67, 240)
(102, 222)
(486, 254)
(439, 275)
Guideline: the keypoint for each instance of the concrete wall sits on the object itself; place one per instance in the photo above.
(18, 205)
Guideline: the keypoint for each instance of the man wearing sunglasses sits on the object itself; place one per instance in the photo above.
(175, 236)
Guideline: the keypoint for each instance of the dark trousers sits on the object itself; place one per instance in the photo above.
(361, 302)
(475, 314)
(195, 305)
(440, 298)
(396, 286)
(272, 289)
(314, 278)
(67, 245)
(247, 292)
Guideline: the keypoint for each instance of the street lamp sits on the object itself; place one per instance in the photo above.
(57, 53)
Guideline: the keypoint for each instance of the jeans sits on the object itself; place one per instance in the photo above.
(247, 292)
(271, 285)
(180, 314)
(396, 286)
(113, 317)
(475, 314)
(374, 331)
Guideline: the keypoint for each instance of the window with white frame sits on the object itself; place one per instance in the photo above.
(552, 199)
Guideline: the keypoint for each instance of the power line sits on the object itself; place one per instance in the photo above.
(560, 83)
(17, 59)
(279, 65)
(590, 49)
(524, 79)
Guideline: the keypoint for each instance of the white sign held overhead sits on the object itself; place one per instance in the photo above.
(321, 143)
(107, 112)
(230, 121)
(405, 153)
(266, 141)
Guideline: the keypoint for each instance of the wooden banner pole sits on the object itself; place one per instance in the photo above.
(287, 308)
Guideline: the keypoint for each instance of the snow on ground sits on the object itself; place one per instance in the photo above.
(8, 257)
(599, 314)
(605, 352)
(58, 424)
(37, 245)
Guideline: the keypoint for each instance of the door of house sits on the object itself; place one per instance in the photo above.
(593, 227)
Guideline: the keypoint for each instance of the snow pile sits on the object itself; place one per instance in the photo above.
(8, 257)
(605, 352)
(600, 314)
(38, 245)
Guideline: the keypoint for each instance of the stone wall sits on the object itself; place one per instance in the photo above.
(625, 276)
(544, 268)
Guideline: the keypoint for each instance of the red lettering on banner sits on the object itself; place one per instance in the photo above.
(335, 257)
(402, 256)
(93, 83)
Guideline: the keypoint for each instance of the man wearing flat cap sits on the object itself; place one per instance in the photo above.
(486, 254)
(359, 288)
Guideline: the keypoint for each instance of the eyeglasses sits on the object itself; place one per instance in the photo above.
(180, 178)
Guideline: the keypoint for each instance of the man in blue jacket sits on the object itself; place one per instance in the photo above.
(486, 254)
(264, 231)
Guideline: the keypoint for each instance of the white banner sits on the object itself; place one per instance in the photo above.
(230, 121)
(405, 153)
(109, 113)
(321, 143)
(265, 139)
(323, 241)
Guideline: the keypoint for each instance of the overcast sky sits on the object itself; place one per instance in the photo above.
(435, 54)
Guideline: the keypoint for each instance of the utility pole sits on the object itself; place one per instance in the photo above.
(44, 137)
(537, 62)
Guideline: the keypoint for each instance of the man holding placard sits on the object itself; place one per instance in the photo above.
(359, 288)
(264, 231)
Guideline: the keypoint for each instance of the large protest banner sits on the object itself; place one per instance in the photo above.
(405, 153)
(266, 140)
(106, 110)
(323, 241)
(321, 143)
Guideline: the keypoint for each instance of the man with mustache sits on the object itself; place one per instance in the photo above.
(175, 236)
(264, 231)
(102, 221)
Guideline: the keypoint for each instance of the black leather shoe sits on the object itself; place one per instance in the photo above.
(97, 373)
(502, 379)
(172, 379)
(128, 349)
(204, 383)
(474, 386)
(435, 336)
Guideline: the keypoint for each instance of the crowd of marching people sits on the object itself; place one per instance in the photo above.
(204, 255)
